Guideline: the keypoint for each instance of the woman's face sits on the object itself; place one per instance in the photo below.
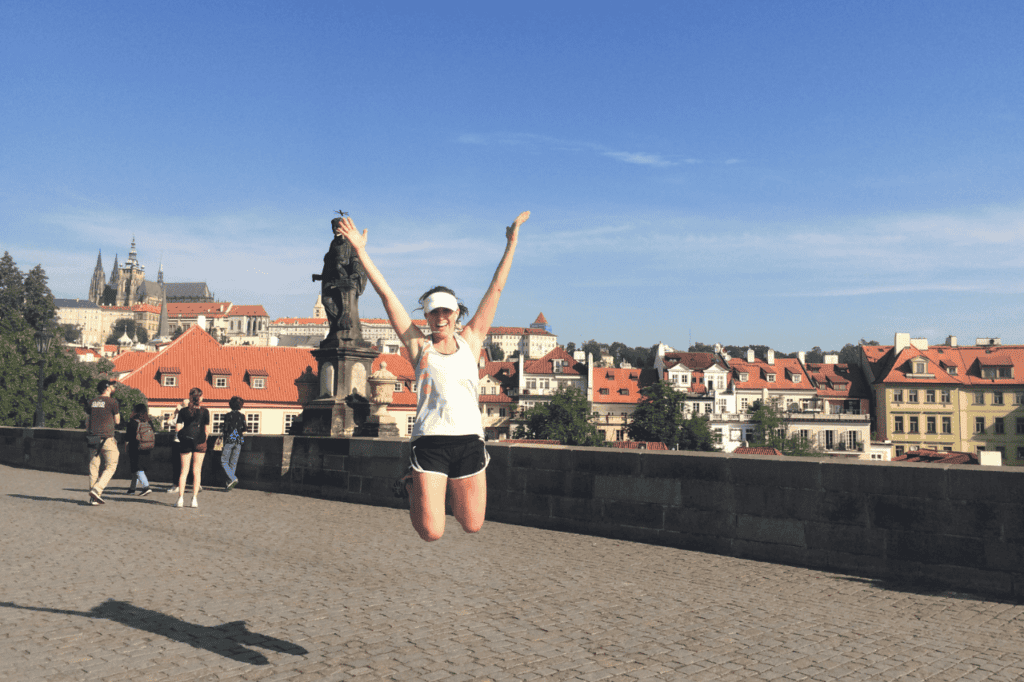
(442, 321)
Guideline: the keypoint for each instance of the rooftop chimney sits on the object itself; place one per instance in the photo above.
(951, 341)
(750, 355)
(802, 357)
(771, 357)
(902, 341)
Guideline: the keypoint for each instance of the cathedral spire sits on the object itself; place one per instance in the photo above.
(99, 281)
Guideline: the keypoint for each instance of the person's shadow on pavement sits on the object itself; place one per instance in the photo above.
(228, 640)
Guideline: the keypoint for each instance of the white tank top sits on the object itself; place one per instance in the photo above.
(447, 401)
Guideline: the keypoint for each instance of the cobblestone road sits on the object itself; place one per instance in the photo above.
(259, 586)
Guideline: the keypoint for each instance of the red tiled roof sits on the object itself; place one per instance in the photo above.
(195, 351)
(540, 319)
(86, 351)
(937, 457)
(941, 359)
(193, 309)
(639, 445)
(300, 320)
(757, 451)
(759, 368)
(545, 366)
(693, 361)
(250, 310)
(527, 441)
(830, 378)
(511, 331)
(616, 380)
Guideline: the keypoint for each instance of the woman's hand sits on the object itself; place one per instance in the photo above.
(349, 232)
(512, 232)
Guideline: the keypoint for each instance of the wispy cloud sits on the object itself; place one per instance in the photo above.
(527, 139)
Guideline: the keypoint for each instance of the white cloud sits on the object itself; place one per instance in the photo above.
(640, 159)
(527, 139)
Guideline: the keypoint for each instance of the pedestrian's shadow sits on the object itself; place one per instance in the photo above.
(229, 640)
(39, 498)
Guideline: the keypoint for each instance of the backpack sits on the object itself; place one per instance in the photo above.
(145, 435)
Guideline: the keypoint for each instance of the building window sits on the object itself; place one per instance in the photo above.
(1020, 425)
(929, 395)
(744, 404)
(1018, 398)
(851, 440)
(409, 423)
(501, 411)
(947, 425)
(167, 417)
(623, 391)
(830, 439)
(897, 395)
(897, 424)
(912, 395)
(252, 422)
(979, 424)
(531, 383)
(220, 382)
(999, 425)
(398, 387)
(899, 451)
(1020, 452)
(997, 398)
(218, 422)
(979, 398)
(770, 378)
(289, 419)
(913, 425)
(945, 395)
(259, 382)
(604, 391)
(170, 380)
(1005, 372)
(931, 425)
(805, 435)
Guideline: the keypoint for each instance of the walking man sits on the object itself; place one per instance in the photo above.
(234, 427)
(104, 414)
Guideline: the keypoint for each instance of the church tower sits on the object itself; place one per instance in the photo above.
(99, 280)
(130, 278)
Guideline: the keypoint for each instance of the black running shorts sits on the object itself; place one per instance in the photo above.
(454, 456)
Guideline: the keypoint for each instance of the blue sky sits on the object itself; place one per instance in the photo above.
(784, 173)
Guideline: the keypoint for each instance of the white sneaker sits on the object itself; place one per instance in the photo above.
(195, 502)
(181, 502)
(173, 490)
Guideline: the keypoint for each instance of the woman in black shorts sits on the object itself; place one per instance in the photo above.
(447, 438)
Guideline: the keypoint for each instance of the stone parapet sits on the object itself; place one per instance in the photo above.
(954, 524)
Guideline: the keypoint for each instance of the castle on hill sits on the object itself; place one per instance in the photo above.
(128, 285)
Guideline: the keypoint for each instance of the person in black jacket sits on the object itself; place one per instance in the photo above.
(234, 427)
(138, 457)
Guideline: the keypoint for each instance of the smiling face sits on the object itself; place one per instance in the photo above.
(442, 322)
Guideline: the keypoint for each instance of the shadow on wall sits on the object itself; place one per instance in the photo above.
(229, 640)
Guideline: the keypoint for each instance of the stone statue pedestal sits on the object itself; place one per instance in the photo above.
(343, 406)
(382, 390)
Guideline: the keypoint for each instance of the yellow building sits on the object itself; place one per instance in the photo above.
(948, 397)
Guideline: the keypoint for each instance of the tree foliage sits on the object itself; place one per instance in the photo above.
(127, 398)
(565, 418)
(68, 385)
(71, 333)
(771, 431)
(495, 352)
(659, 417)
(128, 326)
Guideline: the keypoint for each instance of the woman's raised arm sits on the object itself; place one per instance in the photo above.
(476, 329)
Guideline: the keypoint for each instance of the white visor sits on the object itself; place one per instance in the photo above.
(440, 299)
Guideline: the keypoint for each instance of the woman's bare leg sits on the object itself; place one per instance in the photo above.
(469, 501)
(197, 472)
(186, 459)
(426, 504)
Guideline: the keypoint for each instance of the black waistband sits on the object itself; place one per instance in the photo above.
(445, 441)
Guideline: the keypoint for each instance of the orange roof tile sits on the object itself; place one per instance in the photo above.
(614, 381)
(249, 310)
(692, 361)
(545, 365)
(758, 371)
(757, 451)
(195, 352)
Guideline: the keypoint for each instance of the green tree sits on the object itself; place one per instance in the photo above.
(815, 355)
(497, 354)
(570, 348)
(658, 416)
(594, 348)
(565, 418)
(771, 431)
(127, 398)
(696, 434)
(38, 308)
(68, 385)
(12, 287)
(128, 326)
(71, 333)
(701, 348)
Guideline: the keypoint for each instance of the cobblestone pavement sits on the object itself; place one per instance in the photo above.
(259, 586)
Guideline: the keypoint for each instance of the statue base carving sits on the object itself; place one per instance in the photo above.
(343, 408)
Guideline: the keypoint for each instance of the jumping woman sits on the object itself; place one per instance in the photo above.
(447, 437)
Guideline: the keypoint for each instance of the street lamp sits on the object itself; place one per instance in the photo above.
(43, 340)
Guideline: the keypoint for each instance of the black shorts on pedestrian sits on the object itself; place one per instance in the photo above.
(454, 456)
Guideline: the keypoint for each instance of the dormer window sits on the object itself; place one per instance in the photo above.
(623, 391)
(604, 391)
(609, 375)
(219, 377)
(169, 376)
(770, 378)
(257, 378)
(744, 376)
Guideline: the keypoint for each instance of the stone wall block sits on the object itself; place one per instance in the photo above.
(703, 494)
(985, 484)
(540, 457)
(776, 472)
(862, 541)
(643, 490)
(843, 508)
(774, 531)
(639, 514)
(700, 522)
(694, 466)
(932, 548)
(546, 481)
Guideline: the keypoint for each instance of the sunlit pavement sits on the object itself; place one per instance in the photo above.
(260, 586)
